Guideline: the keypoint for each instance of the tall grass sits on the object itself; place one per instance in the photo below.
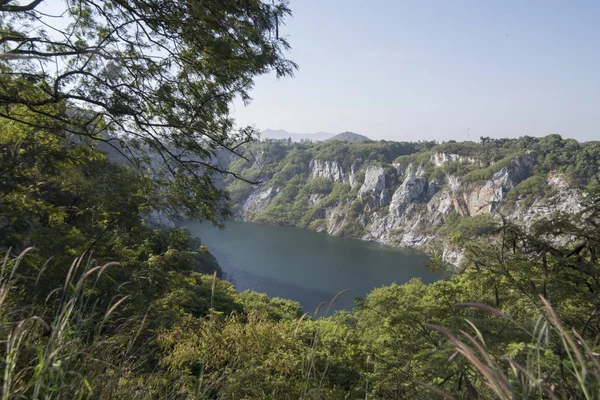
(47, 356)
(556, 364)
(313, 378)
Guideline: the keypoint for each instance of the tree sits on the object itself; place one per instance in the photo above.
(153, 80)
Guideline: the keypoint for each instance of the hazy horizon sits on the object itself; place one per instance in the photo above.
(466, 139)
(436, 70)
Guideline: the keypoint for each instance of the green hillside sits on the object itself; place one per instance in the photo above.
(349, 137)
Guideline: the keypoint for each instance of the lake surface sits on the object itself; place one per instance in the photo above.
(307, 266)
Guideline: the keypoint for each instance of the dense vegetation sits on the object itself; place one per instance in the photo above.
(98, 302)
(155, 325)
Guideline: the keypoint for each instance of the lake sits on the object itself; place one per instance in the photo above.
(307, 266)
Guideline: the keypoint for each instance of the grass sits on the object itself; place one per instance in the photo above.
(310, 372)
(48, 356)
(533, 373)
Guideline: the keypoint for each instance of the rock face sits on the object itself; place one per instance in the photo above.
(351, 177)
(259, 200)
(330, 170)
(439, 159)
(374, 183)
(405, 206)
(486, 198)
(384, 198)
(411, 190)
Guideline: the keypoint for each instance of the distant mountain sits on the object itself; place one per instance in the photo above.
(296, 137)
(349, 137)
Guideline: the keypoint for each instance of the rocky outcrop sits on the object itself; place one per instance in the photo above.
(566, 200)
(439, 207)
(330, 170)
(411, 190)
(315, 198)
(485, 199)
(351, 177)
(433, 186)
(374, 183)
(384, 198)
(453, 182)
(439, 159)
(259, 200)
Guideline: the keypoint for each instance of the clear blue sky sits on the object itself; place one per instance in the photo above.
(414, 70)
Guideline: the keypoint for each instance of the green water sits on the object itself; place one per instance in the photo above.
(307, 266)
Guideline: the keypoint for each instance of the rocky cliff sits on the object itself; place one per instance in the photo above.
(406, 201)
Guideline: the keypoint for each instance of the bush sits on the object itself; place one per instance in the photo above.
(319, 185)
(534, 188)
(472, 227)
(483, 174)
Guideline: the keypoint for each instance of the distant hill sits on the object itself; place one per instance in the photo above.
(349, 137)
(296, 137)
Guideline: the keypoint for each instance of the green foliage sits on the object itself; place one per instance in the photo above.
(554, 154)
(352, 226)
(348, 153)
(486, 332)
(319, 186)
(275, 309)
(416, 159)
(527, 191)
(459, 228)
(537, 365)
(66, 199)
(483, 174)
(152, 82)
(339, 193)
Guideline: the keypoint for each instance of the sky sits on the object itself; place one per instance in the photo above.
(436, 70)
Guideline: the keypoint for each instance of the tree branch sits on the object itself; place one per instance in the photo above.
(28, 7)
